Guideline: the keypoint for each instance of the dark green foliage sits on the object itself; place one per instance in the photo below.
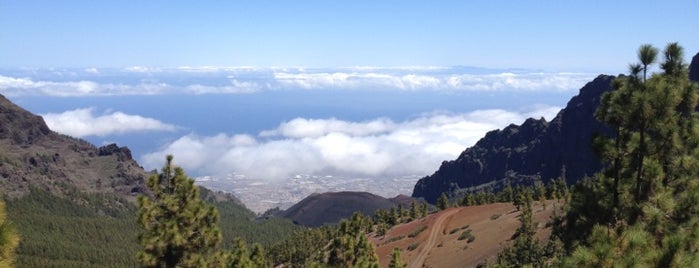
(643, 210)
(414, 211)
(395, 238)
(467, 235)
(344, 245)
(443, 202)
(302, 247)
(525, 250)
(179, 228)
(350, 246)
(61, 232)
(413, 246)
(8, 239)
(237, 221)
(396, 261)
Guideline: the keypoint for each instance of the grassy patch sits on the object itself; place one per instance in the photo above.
(495, 216)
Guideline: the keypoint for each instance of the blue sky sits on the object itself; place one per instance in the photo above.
(350, 89)
(552, 35)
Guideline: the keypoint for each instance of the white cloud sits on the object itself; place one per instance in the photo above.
(378, 148)
(83, 122)
(142, 69)
(312, 128)
(434, 81)
(92, 70)
(27, 86)
(232, 80)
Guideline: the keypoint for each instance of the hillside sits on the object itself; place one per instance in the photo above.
(73, 203)
(438, 245)
(32, 154)
(329, 208)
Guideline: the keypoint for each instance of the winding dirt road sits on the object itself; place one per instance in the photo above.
(437, 227)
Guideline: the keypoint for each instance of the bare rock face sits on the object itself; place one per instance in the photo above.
(31, 155)
(20, 126)
(534, 150)
(122, 153)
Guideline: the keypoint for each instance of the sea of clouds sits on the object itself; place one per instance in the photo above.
(378, 147)
(234, 80)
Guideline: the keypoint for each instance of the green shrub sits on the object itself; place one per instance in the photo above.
(394, 239)
(417, 231)
(467, 235)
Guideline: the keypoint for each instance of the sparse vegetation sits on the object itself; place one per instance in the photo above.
(413, 246)
(8, 239)
(495, 216)
(395, 238)
(417, 231)
(467, 235)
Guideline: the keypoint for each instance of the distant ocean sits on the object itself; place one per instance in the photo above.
(210, 114)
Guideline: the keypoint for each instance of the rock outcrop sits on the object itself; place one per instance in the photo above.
(31, 155)
(694, 68)
(534, 150)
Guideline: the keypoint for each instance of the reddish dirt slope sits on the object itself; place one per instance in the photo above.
(438, 245)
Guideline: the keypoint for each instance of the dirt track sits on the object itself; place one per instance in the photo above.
(432, 240)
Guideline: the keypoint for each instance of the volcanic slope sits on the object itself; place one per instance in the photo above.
(329, 208)
(438, 244)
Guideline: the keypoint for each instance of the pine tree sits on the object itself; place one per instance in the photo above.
(525, 249)
(443, 202)
(9, 240)
(396, 261)
(350, 247)
(507, 193)
(642, 211)
(179, 229)
(414, 214)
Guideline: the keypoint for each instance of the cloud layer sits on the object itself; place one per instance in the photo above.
(234, 80)
(379, 148)
(83, 122)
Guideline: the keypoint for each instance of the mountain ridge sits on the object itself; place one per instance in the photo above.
(534, 150)
(35, 155)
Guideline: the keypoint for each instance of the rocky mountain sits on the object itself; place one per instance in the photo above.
(32, 154)
(536, 149)
(55, 182)
(329, 208)
(694, 68)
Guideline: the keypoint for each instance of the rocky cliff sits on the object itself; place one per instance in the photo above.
(33, 155)
(534, 150)
(694, 68)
